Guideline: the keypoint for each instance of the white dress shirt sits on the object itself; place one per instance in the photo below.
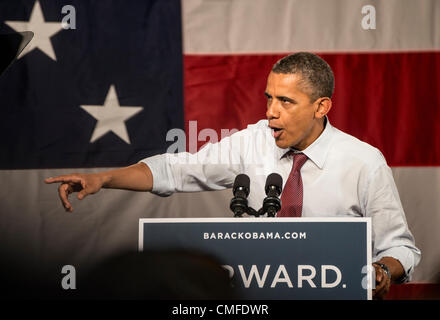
(342, 177)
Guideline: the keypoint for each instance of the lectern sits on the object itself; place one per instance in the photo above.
(277, 258)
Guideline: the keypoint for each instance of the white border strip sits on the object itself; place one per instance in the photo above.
(369, 259)
(251, 219)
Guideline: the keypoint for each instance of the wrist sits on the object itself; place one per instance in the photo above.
(105, 179)
(385, 268)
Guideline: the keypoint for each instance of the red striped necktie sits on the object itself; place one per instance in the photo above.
(292, 196)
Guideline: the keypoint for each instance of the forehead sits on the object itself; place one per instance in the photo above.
(281, 83)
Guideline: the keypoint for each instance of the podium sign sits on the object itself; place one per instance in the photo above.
(277, 258)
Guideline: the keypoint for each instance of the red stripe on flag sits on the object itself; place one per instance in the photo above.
(390, 100)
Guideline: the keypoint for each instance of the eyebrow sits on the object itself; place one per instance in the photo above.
(286, 99)
(281, 98)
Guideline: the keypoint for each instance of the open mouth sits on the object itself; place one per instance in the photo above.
(276, 132)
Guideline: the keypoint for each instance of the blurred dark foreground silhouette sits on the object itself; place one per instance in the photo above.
(150, 275)
(170, 275)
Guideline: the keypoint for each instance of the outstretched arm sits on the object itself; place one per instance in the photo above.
(137, 177)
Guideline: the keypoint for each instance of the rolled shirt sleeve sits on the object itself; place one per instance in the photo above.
(214, 167)
(390, 232)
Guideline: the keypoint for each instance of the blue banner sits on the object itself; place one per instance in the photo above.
(272, 258)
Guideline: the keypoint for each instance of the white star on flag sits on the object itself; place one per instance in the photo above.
(42, 31)
(111, 116)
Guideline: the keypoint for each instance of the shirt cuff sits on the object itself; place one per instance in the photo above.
(404, 256)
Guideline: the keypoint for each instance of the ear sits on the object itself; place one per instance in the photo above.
(323, 106)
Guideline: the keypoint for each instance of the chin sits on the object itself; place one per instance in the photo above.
(282, 144)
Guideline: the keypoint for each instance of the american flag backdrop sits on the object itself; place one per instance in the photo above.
(105, 92)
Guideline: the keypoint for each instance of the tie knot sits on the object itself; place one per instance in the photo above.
(298, 161)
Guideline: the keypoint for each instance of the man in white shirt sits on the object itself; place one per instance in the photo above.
(341, 176)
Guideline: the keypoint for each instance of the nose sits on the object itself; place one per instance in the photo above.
(272, 111)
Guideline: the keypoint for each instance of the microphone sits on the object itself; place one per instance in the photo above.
(239, 203)
(273, 188)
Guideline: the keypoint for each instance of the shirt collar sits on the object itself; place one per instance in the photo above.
(317, 151)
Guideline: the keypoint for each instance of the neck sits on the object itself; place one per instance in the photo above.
(315, 132)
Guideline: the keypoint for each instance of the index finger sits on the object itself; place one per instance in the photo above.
(64, 178)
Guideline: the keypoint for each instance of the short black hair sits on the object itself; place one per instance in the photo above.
(317, 76)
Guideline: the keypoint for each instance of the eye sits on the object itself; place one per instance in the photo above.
(269, 100)
(285, 101)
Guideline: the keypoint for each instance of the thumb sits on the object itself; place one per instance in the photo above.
(379, 276)
(82, 194)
